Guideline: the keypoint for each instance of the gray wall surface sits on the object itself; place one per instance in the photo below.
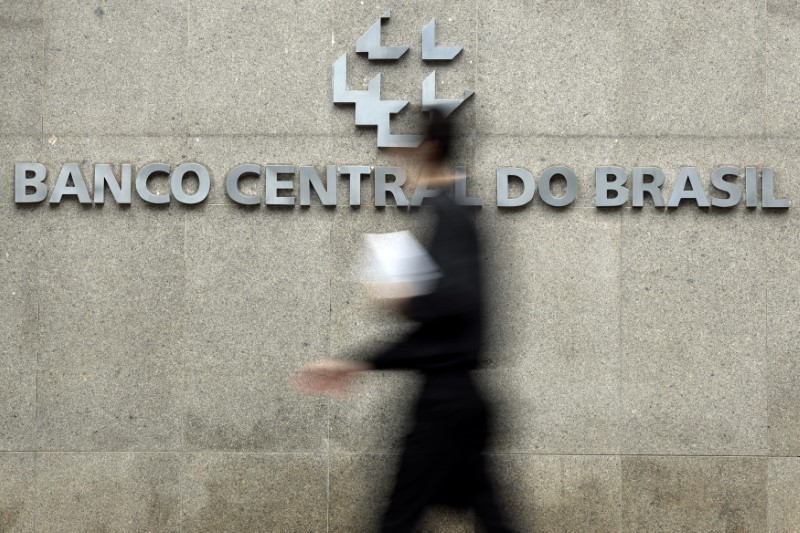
(645, 362)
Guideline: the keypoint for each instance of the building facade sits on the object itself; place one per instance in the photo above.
(643, 360)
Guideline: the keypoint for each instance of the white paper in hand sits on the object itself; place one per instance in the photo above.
(397, 265)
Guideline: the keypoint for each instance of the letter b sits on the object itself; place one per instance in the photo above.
(22, 182)
(603, 186)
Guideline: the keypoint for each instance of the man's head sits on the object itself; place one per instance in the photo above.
(438, 143)
(435, 152)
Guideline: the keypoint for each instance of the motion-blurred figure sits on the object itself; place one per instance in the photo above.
(442, 462)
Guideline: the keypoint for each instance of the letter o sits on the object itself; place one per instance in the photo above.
(176, 183)
(544, 186)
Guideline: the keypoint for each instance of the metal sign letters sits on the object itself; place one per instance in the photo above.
(290, 185)
(370, 109)
(614, 186)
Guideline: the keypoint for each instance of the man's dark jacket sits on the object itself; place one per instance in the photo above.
(442, 461)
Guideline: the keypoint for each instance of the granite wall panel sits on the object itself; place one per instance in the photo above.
(784, 485)
(111, 322)
(22, 50)
(19, 303)
(694, 373)
(694, 493)
(17, 491)
(253, 66)
(115, 68)
(782, 96)
(550, 68)
(247, 492)
(684, 69)
(258, 291)
(560, 492)
(553, 329)
(108, 492)
(783, 327)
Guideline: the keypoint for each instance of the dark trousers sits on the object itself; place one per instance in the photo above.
(443, 463)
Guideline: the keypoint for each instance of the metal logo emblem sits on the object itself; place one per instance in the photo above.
(370, 110)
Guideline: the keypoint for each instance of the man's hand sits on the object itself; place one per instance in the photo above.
(328, 377)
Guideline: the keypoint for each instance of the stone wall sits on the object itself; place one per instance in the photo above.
(644, 362)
